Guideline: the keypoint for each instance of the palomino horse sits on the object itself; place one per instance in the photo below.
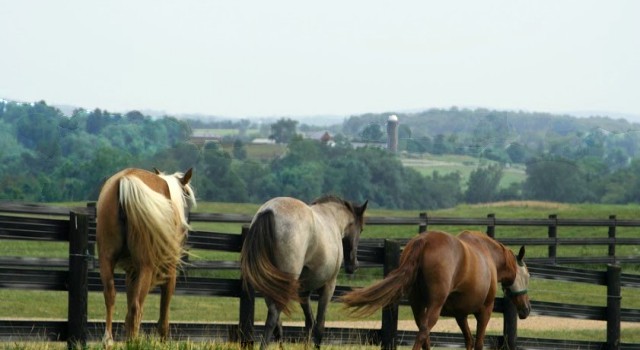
(451, 276)
(293, 248)
(141, 226)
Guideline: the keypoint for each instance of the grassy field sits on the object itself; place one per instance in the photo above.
(52, 305)
(464, 165)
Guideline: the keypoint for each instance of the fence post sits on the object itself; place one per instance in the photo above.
(491, 229)
(510, 324)
(390, 312)
(78, 281)
(553, 233)
(613, 307)
(423, 223)
(612, 235)
(247, 307)
(92, 206)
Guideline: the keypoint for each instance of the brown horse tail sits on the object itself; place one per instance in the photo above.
(257, 264)
(394, 286)
(153, 225)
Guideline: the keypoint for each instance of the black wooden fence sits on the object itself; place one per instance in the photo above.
(77, 276)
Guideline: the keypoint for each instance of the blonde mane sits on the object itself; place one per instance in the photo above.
(181, 197)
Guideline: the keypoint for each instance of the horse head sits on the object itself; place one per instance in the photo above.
(351, 238)
(517, 291)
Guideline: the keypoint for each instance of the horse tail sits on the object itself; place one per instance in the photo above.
(394, 286)
(152, 224)
(257, 262)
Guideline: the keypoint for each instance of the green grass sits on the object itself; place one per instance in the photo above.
(464, 165)
(260, 152)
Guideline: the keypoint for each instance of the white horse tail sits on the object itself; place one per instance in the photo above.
(258, 267)
(152, 222)
(397, 283)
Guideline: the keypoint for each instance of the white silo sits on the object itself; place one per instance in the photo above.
(392, 133)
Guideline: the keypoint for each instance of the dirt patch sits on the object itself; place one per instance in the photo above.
(446, 324)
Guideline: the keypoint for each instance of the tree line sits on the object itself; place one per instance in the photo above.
(46, 156)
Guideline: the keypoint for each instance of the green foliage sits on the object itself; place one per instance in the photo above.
(50, 157)
(483, 184)
(284, 130)
(371, 133)
(46, 156)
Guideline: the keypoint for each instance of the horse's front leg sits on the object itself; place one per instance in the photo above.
(138, 286)
(326, 293)
(166, 292)
(483, 320)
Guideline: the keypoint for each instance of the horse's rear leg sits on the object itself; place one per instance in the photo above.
(426, 316)
(309, 320)
(419, 309)
(109, 290)
(166, 292)
(138, 285)
(273, 321)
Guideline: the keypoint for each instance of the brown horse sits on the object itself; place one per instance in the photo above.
(452, 276)
(141, 227)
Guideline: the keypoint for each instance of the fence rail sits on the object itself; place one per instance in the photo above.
(64, 274)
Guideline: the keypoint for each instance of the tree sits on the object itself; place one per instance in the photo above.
(555, 179)
(516, 152)
(239, 151)
(440, 145)
(482, 186)
(371, 133)
(283, 130)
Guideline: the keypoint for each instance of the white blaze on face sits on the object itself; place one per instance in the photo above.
(521, 283)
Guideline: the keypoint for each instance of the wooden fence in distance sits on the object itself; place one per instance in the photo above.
(77, 276)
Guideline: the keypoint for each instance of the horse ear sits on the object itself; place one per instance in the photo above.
(521, 254)
(187, 177)
(155, 170)
(363, 207)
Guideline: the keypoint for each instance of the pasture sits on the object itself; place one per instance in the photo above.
(464, 165)
(52, 305)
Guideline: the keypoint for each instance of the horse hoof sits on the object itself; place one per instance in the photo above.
(107, 342)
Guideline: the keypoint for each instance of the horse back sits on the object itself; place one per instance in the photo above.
(454, 273)
(305, 243)
(292, 220)
(111, 218)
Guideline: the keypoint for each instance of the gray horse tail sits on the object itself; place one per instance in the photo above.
(257, 262)
(396, 284)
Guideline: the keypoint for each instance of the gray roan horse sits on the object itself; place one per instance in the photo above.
(293, 248)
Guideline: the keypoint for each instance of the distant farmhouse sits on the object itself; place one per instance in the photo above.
(263, 141)
(201, 137)
(321, 136)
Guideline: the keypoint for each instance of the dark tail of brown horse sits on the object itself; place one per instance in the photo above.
(258, 267)
(397, 284)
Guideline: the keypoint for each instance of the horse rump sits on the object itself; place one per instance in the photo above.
(152, 224)
(394, 286)
(257, 262)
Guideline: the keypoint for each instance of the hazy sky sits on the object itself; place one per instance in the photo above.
(302, 58)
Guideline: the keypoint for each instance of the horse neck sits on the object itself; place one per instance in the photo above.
(336, 213)
(177, 198)
(505, 265)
